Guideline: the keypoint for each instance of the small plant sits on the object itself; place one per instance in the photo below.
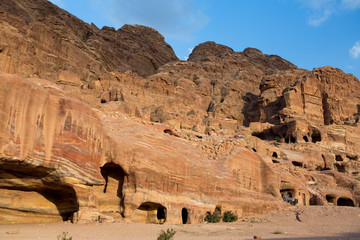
(168, 235)
(212, 218)
(229, 217)
(278, 139)
(278, 232)
(63, 236)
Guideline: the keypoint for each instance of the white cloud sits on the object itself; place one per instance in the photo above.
(321, 10)
(350, 4)
(173, 18)
(316, 20)
(317, 4)
(355, 50)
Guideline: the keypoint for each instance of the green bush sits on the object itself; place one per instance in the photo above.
(212, 218)
(229, 217)
(168, 235)
(63, 236)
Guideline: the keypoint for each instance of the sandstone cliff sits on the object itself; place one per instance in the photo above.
(105, 125)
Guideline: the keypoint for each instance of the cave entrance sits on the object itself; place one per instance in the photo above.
(184, 215)
(161, 214)
(314, 200)
(331, 199)
(290, 139)
(290, 192)
(40, 199)
(297, 164)
(150, 212)
(316, 136)
(275, 155)
(65, 200)
(114, 176)
(339, 158)
(345, 202)
(340, 167)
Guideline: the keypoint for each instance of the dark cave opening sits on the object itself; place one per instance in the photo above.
(152, 212)
(339, 158)
(161, 214)
(63, 196)
(297, 164)
(339, 167)
(314, 200)
(184, 215)
(331, 199)
(64, 199)
(316, 136)
(116, 172)
(345, 202)
(290, 139)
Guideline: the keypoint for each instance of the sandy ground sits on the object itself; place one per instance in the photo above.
(316, 222)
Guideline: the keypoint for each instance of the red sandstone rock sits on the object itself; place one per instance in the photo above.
(126, 131)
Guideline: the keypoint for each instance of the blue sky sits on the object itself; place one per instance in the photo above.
(309, 33)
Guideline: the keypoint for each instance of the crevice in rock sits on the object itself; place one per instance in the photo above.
(339, 167)
(250, 110)
(326, 109)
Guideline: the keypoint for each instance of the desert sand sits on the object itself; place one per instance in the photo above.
(313, 222)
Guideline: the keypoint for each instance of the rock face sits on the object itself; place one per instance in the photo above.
(58, 149)
(108, 125)
(54, 42)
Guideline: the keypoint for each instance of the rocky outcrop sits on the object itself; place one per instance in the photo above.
(52, 42)
(82, 168)
(121, 130)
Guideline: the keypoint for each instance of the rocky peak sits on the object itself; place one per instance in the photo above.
(55, 32)
(265, 61)
(209, 49)
(252, 52)
(145, 127)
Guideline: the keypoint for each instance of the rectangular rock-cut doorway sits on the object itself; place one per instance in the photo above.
(110, 196)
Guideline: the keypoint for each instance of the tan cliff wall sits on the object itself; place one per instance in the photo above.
(121, 130)
(56, 147)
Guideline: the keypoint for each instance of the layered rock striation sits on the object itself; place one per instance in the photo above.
(108, 125)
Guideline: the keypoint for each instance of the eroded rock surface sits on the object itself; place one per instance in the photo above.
(108, 125)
